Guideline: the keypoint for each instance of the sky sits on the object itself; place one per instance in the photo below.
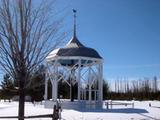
(126, 33)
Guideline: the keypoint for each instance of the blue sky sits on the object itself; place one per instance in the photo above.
(126, 33)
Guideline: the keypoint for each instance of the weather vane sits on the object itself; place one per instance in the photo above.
(74, 30)
(74, 11)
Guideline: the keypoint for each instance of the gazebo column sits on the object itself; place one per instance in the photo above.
(100, 82)
(56, 90)
(85, 94)
(56, 80)
(46, 90)
(89, 79)
(79, 80)
(53, 90)
(95, 95)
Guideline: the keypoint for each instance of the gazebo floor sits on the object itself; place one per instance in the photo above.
(77, 105)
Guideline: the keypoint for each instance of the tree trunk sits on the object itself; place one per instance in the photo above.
(21, 98)
(21, 105)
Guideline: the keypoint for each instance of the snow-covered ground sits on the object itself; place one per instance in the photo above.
(141, 111)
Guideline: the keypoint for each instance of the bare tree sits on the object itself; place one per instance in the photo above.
(155, 84)
(28, 32)
(115, 85)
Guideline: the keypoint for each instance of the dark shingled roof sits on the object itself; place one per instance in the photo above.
(76, 48)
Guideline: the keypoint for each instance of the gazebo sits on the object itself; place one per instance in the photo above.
(81, 64)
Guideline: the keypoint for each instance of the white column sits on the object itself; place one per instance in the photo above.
(56, 80)
(56, 90)
(46, 83)
(79, 80)
(53, 90)
(95, 95)
(46, 89)
(85, 94)
(89, 79)
(100, 82)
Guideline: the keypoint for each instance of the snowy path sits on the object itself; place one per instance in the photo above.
(142, 111)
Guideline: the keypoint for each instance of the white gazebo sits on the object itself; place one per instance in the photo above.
(83, 65)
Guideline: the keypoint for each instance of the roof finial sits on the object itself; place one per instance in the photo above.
(74, 31)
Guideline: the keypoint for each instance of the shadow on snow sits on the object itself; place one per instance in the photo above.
(117, 110)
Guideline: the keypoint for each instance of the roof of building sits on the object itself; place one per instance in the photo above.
(74, 48)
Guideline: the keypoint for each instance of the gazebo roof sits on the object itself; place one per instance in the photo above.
(74, 48)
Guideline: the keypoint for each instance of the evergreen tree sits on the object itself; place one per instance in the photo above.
(8, 89)
(63, 89)
(105, 89)
(36, 84)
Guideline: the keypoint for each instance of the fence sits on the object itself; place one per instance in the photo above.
(55, 116)
(111, 103)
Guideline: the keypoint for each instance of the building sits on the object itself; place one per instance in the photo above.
(80, 64)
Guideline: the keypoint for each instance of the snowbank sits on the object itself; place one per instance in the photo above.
(141, 111)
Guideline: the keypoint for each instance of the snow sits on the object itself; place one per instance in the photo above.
(141, 111)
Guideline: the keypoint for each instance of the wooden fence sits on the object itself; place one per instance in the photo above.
(111, 103)
(55, 116)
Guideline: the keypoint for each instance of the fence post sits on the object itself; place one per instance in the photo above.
(106, 104)
(111, 103)
(132, 103)
(55, 113)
